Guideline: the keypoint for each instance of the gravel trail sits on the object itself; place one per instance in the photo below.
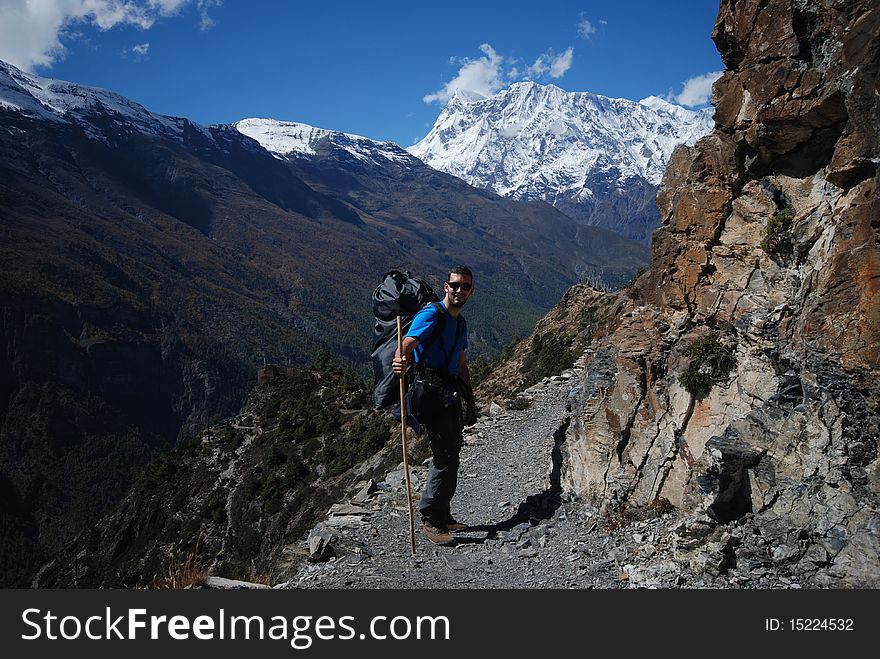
(523, 532)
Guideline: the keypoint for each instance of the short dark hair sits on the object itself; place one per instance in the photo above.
(460, 270)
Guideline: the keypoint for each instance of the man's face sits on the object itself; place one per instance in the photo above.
(458, 289)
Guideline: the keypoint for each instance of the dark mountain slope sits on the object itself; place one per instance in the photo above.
(236, 501)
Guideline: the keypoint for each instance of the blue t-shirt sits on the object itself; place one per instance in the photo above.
(443, 346)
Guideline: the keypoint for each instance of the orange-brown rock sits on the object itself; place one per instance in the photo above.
(770, 239)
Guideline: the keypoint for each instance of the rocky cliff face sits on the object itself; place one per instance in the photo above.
(741, 385)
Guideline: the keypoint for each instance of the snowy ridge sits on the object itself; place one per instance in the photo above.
(57, 100)
(91, 107)
(539, 141)
(286, 139)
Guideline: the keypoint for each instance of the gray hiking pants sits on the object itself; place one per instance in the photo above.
(444, 433)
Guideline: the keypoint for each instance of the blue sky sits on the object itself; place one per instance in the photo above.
(379, 69)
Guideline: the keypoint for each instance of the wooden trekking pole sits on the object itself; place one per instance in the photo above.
(412, 528)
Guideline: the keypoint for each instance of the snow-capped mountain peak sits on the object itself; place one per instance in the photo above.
(102, 114)
(61, 101)
(529, 130)
(464, 96)
(286, 139)
(533, 141)
(685, 116)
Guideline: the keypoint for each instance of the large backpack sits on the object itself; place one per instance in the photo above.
(399, 294)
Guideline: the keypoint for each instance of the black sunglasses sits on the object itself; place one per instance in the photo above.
(455, 285)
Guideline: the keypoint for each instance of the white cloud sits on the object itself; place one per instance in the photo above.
(483, 76)
(585, 28)
(168, 7)
(492, 72)
(561, 64)
(540, 67)
(31, 31)
(697, 90)
(205, 21)
(141, 49)
(554, 65)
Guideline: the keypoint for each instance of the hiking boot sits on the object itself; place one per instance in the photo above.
(452, 525)
(437, 535)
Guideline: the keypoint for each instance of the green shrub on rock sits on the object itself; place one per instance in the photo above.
(550, 355)
(711, 363)
(776, 227)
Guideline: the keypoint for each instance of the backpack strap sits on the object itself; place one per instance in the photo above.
(437, 332)
(438, 327)
(460, 327)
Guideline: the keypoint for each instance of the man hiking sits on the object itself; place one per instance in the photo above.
(441, 362)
